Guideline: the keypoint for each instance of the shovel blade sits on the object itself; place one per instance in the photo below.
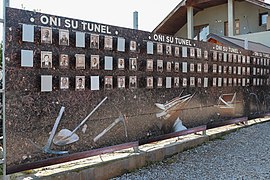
(65, 137)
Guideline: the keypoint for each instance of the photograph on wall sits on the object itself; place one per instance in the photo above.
(219, 69)
(199, 53)
(121, 63)
(234, 58)
(64, 83)
(176, 51)
(220, 55)
(176, 66)
(80, 83)
(219, 82)
(168, 49)
(133, 64)
(199, 82)
(205, 55)
(239, 81)
(234, 70)
(230, 82)
(149, 82)
(215, 55)
(192, 81)
(248, 60)
(108, 82)
(239, 70)
(46, 35)
(121, 82)
(230, 57)
(243, 70)
(159, 48)
(169, 66)
(133, 46)
(225, 69)
(149, 65)
(94, 61)
(46, 59)
(184, 82)
(176, 82)
(191, 67)
(80, 61)
(192, 52)
(248, 70)
(184, 52)
(225, 55)
(108, 42)
(160, 65)
(205, 82)
(239, 58)
(234, 81)
(243, 59)
(133, 82)
(94, 41)
(184, 67)
(63, 37)
(63, 61)
(224, 81)
(159, 82)
(214, 82)
(214, 68)
(230, 70)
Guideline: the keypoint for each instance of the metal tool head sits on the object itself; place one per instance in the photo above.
(65, 137)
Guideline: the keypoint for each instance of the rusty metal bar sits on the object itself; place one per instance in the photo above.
(174, 134)
(71, 157)
(228, 122)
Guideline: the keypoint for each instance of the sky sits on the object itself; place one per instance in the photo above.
(116, 12)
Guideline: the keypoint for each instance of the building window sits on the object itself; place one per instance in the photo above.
(236, 27)
(263, 18)
(201, 32)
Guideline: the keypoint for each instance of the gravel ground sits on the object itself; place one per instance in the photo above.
(240, 155)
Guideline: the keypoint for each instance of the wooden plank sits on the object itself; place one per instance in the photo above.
(228, 122)
(70, 157)
(174, 134)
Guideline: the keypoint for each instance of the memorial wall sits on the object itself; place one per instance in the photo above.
(85, 85)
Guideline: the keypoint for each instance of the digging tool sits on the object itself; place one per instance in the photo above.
(116, 121)
(46, 148)
(66, 136)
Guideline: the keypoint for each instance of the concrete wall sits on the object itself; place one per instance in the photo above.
(247, 13)
(257, 37)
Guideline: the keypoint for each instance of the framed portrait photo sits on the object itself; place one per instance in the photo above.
(133, 64)
(192, 52)
(219, 82)
(46, 35)
(80, 83)
(199, 53)
(94, 41)
(121, 82)
(168, 49)
(64, 83)
(199, 67)
(160, 65)
(176, 51)
(192, 81)
(176, 82)
(94, 61)
(234, 58)
(159, 82)
(132, 82)
(63, 61)
(184, 82)
(199, 82)
(220, 55)
(80, 61)
(121, 63)
(192, 67)
(176, 66)
(108, 42)
(46, 59)
(205, 68)
(63, 37)
(133, 46)
(108, 82)
(230, 57)
(214, 68)
(205, 55)
(149, 82)
(215, 55)
(169, 66)
(149, 65)
(159, 48)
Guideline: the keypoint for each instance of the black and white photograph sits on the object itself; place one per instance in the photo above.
(149, 65)
(46, 35)
(133, 46)
(168, 49)
(205, 68)
(133, 82)
(133, 64)
(192, 81)
(121, 82)
(121, 63)
(159, 48)
(239, 58)
(159, 82)
(230, 57)
(80, 61)
(108, 42)
(46, 59)
(94, 61)
(199, 67)
(205, 55)
(234, 58)
(192, 52)
(176, 82)
(176, 51)
(191, 67)
(184, 82)
(149, 82)
(64, 83)
(199, 53)
(199, 82)
(214, 82)
(220, 55)
(169, 66)
(219, 69)
(63, 61)
(176, 66)
(215, 54)
(94, 41)
(63, 37)
(80, 83)
(108, 82)
(214, 68)
(160, 65)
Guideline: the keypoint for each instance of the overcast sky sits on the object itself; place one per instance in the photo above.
(112, 12)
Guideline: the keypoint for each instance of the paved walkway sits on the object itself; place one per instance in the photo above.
(244, 154)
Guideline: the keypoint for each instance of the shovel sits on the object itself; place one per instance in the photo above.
(65, 136)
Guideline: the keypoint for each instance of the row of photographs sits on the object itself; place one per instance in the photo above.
(158, 82)
(46, 62)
